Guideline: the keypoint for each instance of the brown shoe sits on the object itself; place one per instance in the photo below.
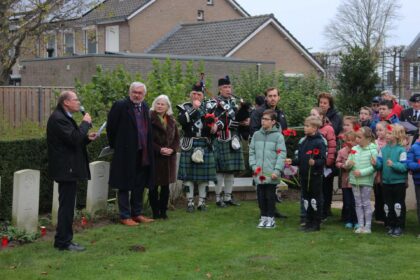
(142, 219)
(128, 222)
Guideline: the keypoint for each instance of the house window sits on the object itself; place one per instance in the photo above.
(68, 43)
(415, 76)
(418, 52)
(210, 2)
(200, 15)
(51, 46)
(90, 41)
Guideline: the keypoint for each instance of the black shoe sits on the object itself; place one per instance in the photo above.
(231, 203)
(277, 214)
(397, 232)
(202, 207)
(163, 215)
(221, 204)
(72, 247)
(313, 228)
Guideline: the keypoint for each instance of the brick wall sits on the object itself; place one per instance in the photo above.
(64, 71)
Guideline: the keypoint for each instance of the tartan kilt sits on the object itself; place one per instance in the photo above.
(197, 172)
(228, 160)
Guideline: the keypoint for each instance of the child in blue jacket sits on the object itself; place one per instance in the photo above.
(413, 164)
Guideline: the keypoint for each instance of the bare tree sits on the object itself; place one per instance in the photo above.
(21, 19)
(363, 23)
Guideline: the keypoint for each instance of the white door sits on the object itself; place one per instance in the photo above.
(112, 39)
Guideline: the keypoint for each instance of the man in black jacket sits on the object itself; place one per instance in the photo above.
(129, 132)
(67, 162)
(412, 115)
(272, 99)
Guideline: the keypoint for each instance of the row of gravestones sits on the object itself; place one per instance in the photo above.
(25, 203)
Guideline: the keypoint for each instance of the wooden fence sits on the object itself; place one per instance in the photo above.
(19, 104)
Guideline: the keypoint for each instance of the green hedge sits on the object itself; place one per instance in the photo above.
(32, 154)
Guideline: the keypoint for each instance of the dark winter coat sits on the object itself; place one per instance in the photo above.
(257, 114)
(336, 120)
(122, 137)
(67, 155)
(305, 152)
(165, 166)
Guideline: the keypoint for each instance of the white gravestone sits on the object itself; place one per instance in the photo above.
(26, 199)
(97, 190)
(54, 210)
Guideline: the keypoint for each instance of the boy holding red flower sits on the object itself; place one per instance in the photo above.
(311, 158)
(267, 153)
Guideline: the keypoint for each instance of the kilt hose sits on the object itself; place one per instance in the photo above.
(197, 172)
(228, 160)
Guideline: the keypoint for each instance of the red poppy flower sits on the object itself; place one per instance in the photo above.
(309, 152)
(353, 152)
(262, 178)
(341, 137)
(286, 132)
(389, 127)
(293, 132)
(356, 127)
(418, 161)
(316, 152)
(258, 170)
(278, 151)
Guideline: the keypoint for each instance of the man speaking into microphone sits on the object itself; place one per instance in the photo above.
(68, 162)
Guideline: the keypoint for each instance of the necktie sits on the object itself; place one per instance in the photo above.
(138, 107)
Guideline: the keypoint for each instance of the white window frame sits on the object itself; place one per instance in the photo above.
(48, 34)
(200, 15)
(411, 75)
(210, 2)
(85, 38)
(64, 42)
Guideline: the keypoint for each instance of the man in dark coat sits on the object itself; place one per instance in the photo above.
(272, 99)
(412, 115)
(67, 162)
(129, 133)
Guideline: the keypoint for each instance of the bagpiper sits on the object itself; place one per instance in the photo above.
(197, 162)
(227, 146)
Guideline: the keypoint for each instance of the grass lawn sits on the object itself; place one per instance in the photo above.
(222, 244)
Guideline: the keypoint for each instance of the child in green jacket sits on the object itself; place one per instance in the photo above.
(361, 176)
(267, 153)
(392, 162)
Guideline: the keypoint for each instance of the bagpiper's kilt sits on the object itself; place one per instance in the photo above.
(228, 160)
(197, 172)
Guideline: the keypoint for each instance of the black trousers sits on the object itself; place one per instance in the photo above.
(131, 205)
(66, 203)
(394, 199)
(159, 200)
(349, 206)
(312, 195)
(266, 194)
(379, 202)
(327, 190)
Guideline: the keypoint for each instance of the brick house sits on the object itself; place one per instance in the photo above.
(410, 73)
(199, 28)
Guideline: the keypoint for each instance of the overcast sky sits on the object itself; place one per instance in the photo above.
(306, 19)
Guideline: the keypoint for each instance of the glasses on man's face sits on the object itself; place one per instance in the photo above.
(137, 92)
(266, 119)
(74, 99)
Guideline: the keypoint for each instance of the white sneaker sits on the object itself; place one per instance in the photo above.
(263, 222)
(367, 230)
(271, 223)
(359, 230)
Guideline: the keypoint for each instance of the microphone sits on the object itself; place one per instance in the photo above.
(82, 110)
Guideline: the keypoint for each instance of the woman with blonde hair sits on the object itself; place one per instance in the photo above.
(165, 146)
